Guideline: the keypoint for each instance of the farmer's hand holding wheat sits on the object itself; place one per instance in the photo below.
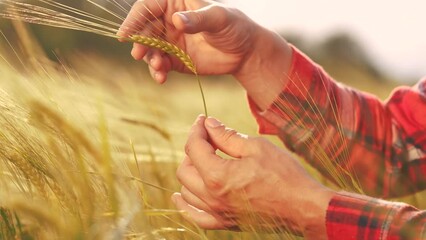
(219, 39)
(263, 187)
(219, 193)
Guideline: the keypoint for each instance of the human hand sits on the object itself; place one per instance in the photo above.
(260, 179)
(219, 39)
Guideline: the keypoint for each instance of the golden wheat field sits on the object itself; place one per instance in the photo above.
(92, 154)
(89, 145)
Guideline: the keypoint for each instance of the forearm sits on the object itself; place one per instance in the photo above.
(308, 108)
(329, 124)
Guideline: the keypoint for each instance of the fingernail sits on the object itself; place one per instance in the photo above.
(213, 122)
(157, 76)
(173, 198)
(184, 18)
(120, 34)
(133, 53)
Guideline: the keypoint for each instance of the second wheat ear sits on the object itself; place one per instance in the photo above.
(172, 50)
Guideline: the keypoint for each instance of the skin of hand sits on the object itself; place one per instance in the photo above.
(259, 178)
(219, 39)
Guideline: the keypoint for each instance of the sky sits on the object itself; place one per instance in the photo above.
(392, 31)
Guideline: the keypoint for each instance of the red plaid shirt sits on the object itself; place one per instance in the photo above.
(383, 144)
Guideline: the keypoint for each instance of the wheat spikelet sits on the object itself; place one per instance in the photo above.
(64, 199)
(30, 172)
(166, 47)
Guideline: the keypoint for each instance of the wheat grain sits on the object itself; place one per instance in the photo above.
(166, 47)
(30, 173)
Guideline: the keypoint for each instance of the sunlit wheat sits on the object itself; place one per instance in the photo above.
(49, 158)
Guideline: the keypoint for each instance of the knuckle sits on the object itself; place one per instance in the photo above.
(198, 19)
(227, 15)
(222, 14)
(214, 182)
(184, 192)
(188, 148)
(219, 10)
(216, 206)
(228, 134)
(179, 174)
(182, 170)
(234, 15)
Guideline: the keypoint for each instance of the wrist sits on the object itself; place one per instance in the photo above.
(313, 221)
(265, 69)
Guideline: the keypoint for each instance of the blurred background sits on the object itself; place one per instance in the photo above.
(392, 33)
(379, 40)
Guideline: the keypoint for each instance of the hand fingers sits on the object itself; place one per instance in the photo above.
(193, 200)
(154, 28)
(139, 51)
(143, 11)
(212, 18)
(199, 217)
(159, 65)
(226, 139)
(200, 151)
(190, 178)
(187, 173)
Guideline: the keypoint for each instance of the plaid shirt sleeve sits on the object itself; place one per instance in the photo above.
(352, 216)
(383, 144)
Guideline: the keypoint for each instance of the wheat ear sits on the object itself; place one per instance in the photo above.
(172, 50)
(166, 47)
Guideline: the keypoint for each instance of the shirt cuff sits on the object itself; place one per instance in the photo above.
(353, 216)
(271, 120)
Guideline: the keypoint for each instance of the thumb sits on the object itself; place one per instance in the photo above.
(226, 139)
(208, 19)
